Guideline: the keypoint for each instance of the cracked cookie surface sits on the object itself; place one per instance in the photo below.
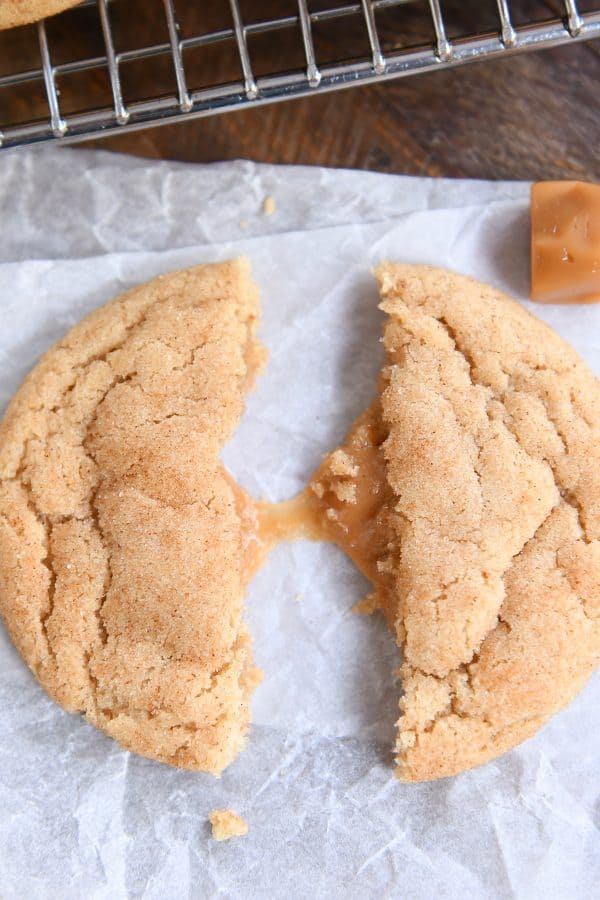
(124, 545)
(487, 524)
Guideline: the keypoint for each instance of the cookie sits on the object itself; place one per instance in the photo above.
(470, 494)
(125, 547)
(225, 824)
(21, 12)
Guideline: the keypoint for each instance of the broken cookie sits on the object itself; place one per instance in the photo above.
(125, 547)
(469, 494)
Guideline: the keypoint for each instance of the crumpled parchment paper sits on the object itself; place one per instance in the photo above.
(79, 817)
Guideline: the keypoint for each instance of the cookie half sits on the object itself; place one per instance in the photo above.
(470, 495)
(21, 12)
(125, 547)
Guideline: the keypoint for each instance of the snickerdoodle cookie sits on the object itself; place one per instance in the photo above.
(470, 494)
(124, 546)
(21, 12)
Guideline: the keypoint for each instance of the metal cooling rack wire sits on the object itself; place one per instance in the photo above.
(440, 52)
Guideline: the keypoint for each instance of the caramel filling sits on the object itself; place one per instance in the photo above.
(353, 501)
(289, 521)
(348, 502)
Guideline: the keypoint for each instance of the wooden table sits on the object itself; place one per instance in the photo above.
(533, 116)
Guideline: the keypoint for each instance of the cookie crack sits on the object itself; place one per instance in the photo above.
(80, 368)
(466, 668)
(471, 364)
(95, 518)
(45, 617)
(42, 518)
(476, 382)
(512, 386)
(566, 495)
(46, 560)
(501, 398)
(564, 574)
(78, 371)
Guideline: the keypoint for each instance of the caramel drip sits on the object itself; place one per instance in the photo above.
(353, 499)
(348, 502)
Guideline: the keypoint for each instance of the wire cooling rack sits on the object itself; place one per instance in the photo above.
(384, 44)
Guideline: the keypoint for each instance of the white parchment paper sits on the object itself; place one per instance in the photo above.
(81, 818)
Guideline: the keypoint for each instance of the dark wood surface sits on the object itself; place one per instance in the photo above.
(533, 116)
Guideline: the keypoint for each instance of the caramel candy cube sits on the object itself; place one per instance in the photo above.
(565, 242)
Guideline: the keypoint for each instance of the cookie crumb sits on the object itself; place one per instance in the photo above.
(226, 824)
(343, 465)
(269, 205)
